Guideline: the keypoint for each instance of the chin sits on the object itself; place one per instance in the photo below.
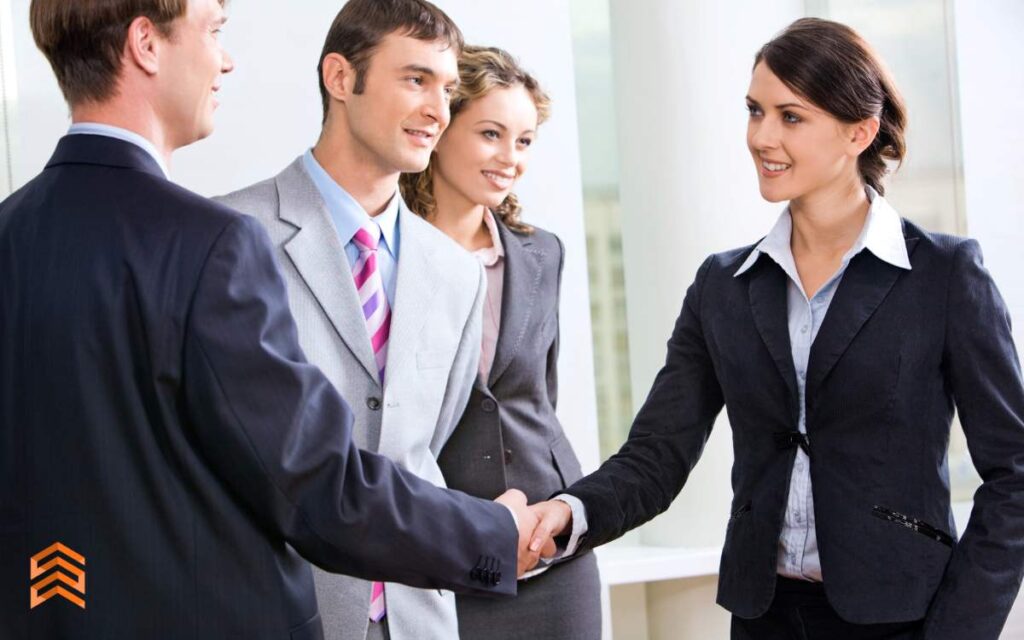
(413, 162)
(773, 195)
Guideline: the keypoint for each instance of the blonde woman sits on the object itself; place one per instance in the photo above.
(509, 435)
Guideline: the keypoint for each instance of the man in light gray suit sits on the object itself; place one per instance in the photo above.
(386, 305)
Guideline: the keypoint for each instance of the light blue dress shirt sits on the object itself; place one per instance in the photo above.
(110, 131)
(348, 216)
(882, 235)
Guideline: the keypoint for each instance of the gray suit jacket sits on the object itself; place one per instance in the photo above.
(509, 436)
(433, 353)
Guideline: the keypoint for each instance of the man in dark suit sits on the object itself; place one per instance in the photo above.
(161, 433)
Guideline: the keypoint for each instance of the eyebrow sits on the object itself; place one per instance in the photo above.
(501, 126)
(417, 68)
(785, 105)
(494, 122)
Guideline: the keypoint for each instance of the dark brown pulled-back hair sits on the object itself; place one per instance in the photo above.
(832, 66)
(362, 24)
(481, 70)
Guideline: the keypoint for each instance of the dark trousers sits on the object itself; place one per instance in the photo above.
(800, 611)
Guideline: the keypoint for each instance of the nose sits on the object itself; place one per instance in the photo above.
(763, 133)
(227, 64)
(436, 107)
(508, 152)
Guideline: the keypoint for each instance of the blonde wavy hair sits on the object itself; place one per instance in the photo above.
(481, 70)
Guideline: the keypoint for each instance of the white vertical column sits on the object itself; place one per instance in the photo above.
(688, 188)
(991, 90)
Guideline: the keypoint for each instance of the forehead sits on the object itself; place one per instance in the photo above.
(204, 10)
(764, 83)
(397, 51)
(512, 106)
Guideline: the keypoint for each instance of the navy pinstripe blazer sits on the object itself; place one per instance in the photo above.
(897, 352)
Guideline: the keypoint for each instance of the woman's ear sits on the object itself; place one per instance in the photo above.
(863, 133)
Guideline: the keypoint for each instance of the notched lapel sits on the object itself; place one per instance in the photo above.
(320, 259)
(865, 285)
(416, 285)
(519, 297)
(767, 291)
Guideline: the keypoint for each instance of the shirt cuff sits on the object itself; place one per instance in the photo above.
(579, 528)
(579, 523)
(515, 519)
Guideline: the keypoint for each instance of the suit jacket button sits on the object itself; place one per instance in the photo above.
(373, 403)
(488, 405)
(508, 456)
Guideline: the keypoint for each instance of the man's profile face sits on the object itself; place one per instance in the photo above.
(191, 63)
(397, 119)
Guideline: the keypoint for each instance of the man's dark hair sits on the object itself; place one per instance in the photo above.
(362, 24)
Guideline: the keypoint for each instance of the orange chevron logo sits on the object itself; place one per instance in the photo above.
(65, 574)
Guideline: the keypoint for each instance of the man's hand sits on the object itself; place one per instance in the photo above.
(531, 546)
(554, 518)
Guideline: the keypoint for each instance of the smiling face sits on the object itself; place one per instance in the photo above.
(487, 147)
(396, 121)
(191, 63)
(798, 149)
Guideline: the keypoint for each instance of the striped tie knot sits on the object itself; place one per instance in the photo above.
(367, 237)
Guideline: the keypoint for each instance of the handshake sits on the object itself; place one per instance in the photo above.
(538, 525)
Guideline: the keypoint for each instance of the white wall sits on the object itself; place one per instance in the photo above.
(270, 113)
(989, 49)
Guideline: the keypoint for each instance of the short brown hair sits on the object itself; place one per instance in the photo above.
(832, 66)
(84, 39)
(362, 24)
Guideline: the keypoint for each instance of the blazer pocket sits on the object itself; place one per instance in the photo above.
(309, 630)
(566, 463)
(913, 524)
(432, 359)
(740, 511)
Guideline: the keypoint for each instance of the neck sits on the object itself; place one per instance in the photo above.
(829, 221)
(137, 117)
(459, 218)
(358, 173)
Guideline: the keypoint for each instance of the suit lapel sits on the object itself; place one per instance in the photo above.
(519, 296)
(767, 291)
(417, 282)
(864, 286)
(320, 259)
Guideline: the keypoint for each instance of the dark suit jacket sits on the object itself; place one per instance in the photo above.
(896, 351)
(509, 436)
(160, 419)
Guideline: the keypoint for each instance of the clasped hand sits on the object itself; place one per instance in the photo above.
(538, 525)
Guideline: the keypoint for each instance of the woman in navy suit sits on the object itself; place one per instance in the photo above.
(840, 345)
(509, 435)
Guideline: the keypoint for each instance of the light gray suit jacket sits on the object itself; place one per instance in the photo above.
(433, 353)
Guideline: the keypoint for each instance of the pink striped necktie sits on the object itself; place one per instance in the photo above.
(377, 314)
(370, 287)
